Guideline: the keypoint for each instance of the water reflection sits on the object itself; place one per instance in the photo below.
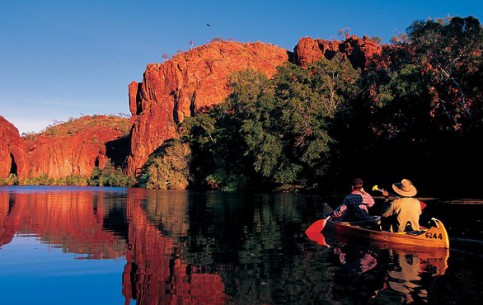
(156, 270)
(217, 248)
(69, 219)
(399, 276)
(356, 261)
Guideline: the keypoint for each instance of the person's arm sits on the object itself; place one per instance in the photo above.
(367, 199)
(388, 197)
(388, 209)
(341, 210)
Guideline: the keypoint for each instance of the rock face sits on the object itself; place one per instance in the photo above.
(12, 150)
(74, 148)
(169, 92)
(186, 83)
(358, 50)
(190, 81)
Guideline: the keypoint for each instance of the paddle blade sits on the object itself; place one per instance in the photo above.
(317, 237)
(318, 226)
(314, 232)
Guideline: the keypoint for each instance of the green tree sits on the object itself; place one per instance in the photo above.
(273, 132)
(110, 176)
(167, 168)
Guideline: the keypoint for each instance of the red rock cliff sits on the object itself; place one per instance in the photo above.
(358, 50)
(12, 150)
(179, 87)
(74, 148)
(168, 93)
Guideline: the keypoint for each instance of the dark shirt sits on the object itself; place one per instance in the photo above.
(355, 207)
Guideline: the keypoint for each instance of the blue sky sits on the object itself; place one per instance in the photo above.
(68, 58)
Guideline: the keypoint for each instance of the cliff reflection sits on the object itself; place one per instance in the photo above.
(156, 271)
(72, 220)
(217, 248)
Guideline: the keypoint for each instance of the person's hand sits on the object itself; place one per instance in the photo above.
(338, 213)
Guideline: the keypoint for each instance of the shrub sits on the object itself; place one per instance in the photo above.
(10, 180)
(167, 169)
(110, 176)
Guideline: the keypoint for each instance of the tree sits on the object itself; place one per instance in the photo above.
(167, 168)
(450, 56)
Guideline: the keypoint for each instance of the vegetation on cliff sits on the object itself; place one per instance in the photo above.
(414, 111)
(74, 126)
(272, 133)
(167, 168)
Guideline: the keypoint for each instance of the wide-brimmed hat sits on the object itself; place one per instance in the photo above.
(405, 188)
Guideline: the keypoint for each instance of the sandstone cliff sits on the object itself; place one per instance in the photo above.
(12, 150)
(358, 50)
(181, 86)
(169, 92)
(190, 81)
(75, 147)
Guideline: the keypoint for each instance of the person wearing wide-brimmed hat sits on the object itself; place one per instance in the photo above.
(402, 214)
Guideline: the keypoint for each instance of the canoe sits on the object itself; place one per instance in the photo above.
(435, 236)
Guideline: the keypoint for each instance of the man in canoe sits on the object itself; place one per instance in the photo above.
(355, 206)
(402, 214)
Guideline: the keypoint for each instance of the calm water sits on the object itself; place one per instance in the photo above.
(85, 245)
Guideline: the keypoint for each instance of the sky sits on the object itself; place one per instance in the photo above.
(62, 59)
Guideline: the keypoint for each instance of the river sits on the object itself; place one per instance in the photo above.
(93, 245)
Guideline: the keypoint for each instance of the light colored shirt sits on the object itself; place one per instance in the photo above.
(404, 209)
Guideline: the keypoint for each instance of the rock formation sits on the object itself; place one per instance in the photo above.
(358, 50)
(198, 78)
(186, 83)
(169, 92)
(12, 150)
(74, 148)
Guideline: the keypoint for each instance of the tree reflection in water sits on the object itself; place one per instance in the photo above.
(218, 248)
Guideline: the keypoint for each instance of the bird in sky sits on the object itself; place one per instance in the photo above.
(208, 24)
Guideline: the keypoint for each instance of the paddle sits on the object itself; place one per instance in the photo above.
(314, 232)
(376, 188)
(319, 225)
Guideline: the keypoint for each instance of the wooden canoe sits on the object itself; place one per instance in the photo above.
(435, 236)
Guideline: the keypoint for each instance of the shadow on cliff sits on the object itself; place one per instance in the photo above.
(118, 150)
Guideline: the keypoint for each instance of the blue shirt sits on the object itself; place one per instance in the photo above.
(355, 207)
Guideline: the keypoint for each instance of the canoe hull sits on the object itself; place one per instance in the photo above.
(433, 237)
